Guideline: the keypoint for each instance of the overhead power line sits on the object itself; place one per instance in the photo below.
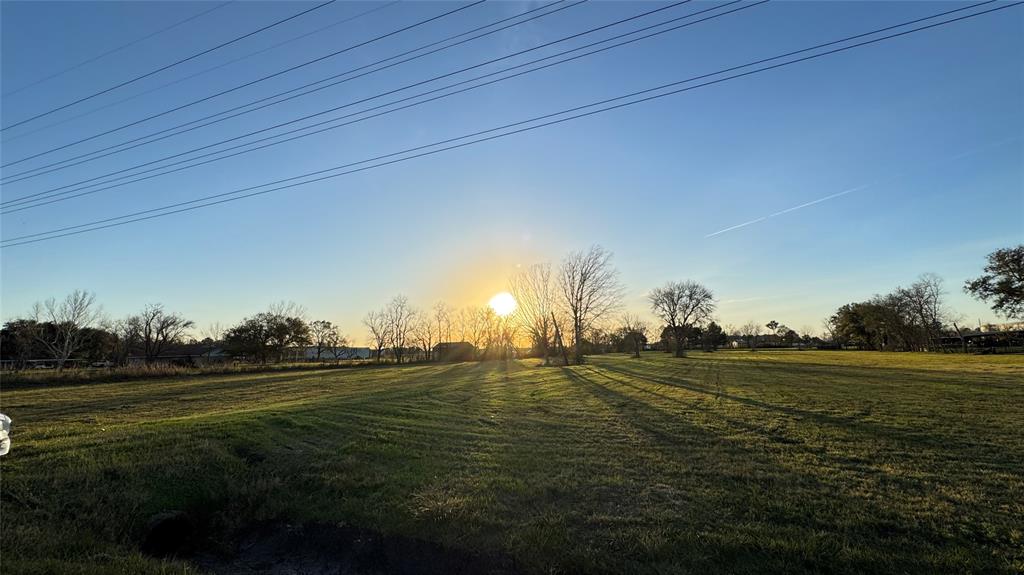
(202, 72)
(166, 67)
(18, 204)
(90, 156)
(252, 82)
(115, 50)
(606, 105)
(55, 195)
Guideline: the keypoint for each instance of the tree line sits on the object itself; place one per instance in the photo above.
(565, 312)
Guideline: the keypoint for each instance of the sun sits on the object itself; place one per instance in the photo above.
(503, 303)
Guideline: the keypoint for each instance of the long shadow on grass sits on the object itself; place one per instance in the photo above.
(800, 524)
(867, 428)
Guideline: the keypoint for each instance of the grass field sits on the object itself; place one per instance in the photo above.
(732, 462)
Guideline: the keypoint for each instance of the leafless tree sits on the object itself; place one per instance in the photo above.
(590, 290)
(401, 319)
(128, 336)
(924, 300)
(287, 309)
(380, 331)
(682, 306)
(160, 328)
(425, 332)
(212, 334)
(534, 291)
(750, 331)
(474, 326)
(213, 331)
(325, 337)
(828, 330)
(501, 335)
(634, 330)
(442, 321)
(559, 341)
(69, 320)
(341, 349)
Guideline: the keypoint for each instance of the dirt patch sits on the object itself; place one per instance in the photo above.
(325, 549)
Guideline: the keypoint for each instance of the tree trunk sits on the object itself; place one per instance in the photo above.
(680, 351)
(558, 340)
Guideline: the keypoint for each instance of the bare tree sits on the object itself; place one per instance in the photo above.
(634, 331)
(401, 319)
(682, 306)
(559, 342)
(443, 321)
(213, 331)
(474, 326)
(424, 333)
(325, 337)
(341, 349)
(128, 336)
(750, 331)
(534, 291)
(69, 321)
(287, 309)
(212, 334)
(828, 331)
(380, 331)
(590, 290)
(924, 300)
(160, 328)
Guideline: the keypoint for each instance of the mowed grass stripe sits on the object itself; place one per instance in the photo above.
(732, 462)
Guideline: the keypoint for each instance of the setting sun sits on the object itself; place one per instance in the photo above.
(503, 304)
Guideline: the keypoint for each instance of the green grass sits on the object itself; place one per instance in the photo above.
(732, 462)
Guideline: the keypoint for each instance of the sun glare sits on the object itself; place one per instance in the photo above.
(503, 303)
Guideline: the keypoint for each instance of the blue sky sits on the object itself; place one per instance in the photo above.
(929, 124)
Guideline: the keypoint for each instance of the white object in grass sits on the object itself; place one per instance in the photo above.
(5, 434)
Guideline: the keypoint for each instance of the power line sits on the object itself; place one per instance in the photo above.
(115, 50)
(251, 82)
(168, 66)
(205, 71)
(196, 203)
(19, 204)
(320, 113)
(41, 170)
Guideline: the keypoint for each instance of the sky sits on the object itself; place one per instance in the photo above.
(788, 193)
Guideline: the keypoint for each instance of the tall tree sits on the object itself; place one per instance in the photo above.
(267, 335)
(750, 331)
(714, 337)
(443, 321)
(534, 291)
(401, 319)
(159, 328)
(377, 324)
(590, 291)
(69, 320)
(325, 337)
(682, 306)
(1002, 284)
(425, 333)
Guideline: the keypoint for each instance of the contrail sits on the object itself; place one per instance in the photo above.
(793, 209)
(858, 188)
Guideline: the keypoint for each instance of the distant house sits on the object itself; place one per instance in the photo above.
(331, 353)
(455, 351)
